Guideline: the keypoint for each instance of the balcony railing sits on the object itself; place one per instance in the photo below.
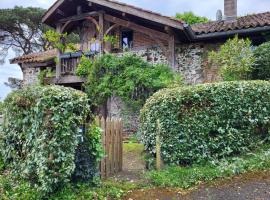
(70, 61)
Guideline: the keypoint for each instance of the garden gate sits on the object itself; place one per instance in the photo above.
(112, 141)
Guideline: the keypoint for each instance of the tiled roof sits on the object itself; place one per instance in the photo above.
(249, 21)
(35, 57)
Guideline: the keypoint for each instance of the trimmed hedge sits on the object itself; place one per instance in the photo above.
(261, 68)
(41, 134)
(207, 121)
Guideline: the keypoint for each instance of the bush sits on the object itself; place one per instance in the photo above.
(208, 121)
(40, 133)
(234, 59)
(261, 69)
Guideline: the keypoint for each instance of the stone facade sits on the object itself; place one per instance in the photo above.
(191, 62)
(118, 109)
(30, 74)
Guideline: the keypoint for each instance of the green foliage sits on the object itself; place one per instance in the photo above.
(111, 39)
(234, 59)
(186, 177)
(127, 76)
(183, 177)
(59, 41)
(46, 73)
(191, 18)
(40, 134)
(261, 69)
(20, 190)
(21, 29)
(84, 67)
(94, 142)
(1, 107)
(208, 121)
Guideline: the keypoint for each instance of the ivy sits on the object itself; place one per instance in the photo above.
(209, 121)
(40, 134)
(127, 76)
(261, 68)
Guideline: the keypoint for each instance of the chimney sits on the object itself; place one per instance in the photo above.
(230, 9)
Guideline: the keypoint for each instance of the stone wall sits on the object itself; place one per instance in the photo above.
(191, 62)
(30, 74)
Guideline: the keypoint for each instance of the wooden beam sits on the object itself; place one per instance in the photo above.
(136, 27)
(52, 9)
(79, 17)
(58, 63)
(66, 79)
(60, 12)
(79, 10)
(101, 32)
(139, 13)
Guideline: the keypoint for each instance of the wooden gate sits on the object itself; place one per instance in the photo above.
(112, 141)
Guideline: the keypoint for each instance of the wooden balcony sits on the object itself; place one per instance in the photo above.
(68, 64)
(70, 61)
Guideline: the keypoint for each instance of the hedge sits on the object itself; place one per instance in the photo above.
(40, 134)
(207, 121)
(261, 68)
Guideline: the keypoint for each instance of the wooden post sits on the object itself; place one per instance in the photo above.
(101, 31)
(121, 145)
(158, 146)
(59, 52)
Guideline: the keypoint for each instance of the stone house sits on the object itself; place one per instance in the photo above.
(154, 37)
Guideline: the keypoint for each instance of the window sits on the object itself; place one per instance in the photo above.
(127, 39)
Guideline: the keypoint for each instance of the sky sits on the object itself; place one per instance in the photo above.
(205, 8)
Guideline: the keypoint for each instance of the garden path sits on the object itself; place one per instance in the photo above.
(133, 163)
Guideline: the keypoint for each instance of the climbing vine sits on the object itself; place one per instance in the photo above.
(128, 77)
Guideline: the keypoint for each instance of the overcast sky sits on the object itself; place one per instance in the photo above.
(206, 8)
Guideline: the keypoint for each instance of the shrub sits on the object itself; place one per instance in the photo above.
(208, 121)
(40, 133)
(261, 69)
(234, 59)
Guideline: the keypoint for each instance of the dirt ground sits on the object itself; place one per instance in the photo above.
(251, 186)
(133, 163)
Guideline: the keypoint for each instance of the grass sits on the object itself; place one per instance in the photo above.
(20, 190)
(131, 147)
(186, 177)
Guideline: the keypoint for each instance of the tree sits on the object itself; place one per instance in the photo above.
(191, 18)
(21, 30)
(234, 59)
(14, 83)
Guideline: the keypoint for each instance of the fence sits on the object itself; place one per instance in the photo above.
(112, 141)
